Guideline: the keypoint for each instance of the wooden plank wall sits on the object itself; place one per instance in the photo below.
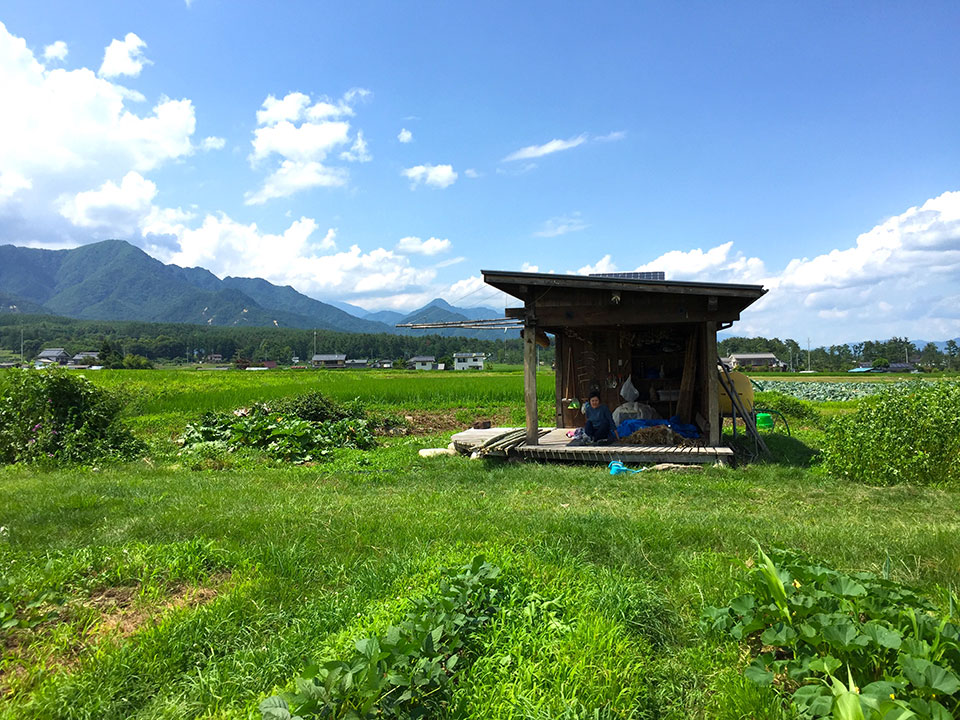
(587, 358)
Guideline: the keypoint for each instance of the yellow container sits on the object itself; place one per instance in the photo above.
(743, 388)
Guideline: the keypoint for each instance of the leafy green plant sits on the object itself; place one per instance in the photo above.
(55, 416)
(22, 609)
(409, 671)
(907, 434)
(795, 408)
(320, 426)
(806, 623)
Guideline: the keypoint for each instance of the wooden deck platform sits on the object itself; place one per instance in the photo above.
(554, 445)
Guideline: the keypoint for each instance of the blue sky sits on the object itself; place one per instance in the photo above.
(383, 153)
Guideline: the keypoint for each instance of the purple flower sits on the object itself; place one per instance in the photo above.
(37, 426)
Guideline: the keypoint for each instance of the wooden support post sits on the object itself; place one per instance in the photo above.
(712, 388)
(530, 375)
(559, 372)
(689, 377)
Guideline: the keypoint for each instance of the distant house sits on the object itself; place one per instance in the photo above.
(358, 364)
(756, 360)
(422, 362)
(330, 361)
(382, 364)
(900, 367)
(86, 357)
(468, 361)
(53, 356)
(215, 358)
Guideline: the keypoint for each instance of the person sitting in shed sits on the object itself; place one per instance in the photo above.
(599, 426)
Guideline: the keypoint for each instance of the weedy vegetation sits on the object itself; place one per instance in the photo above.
(273, 546)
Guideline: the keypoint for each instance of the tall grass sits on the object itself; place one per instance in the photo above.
(166, 391)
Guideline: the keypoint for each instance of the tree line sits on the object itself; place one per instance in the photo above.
(182, 343)
(877, 353)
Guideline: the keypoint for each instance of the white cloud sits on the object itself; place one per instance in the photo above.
(405, 136)
(290, 108)
(431, 246)
(118, 208)
(123, 57)
(329, 241)
(612, 136)
(899, 278)
(439, 176)
(55, 51)
(295, 258)
(303, 148)
(471, 173)
(293, 176)
(603, 265)
(12, 182)
(74, 131)
(308, 141)
(358, 152)
(554, 227)
(535, 151)
(212, 143)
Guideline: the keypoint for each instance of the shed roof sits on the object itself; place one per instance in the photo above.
(570, 300)
(329, 358)
(513, 283)
(423, 358)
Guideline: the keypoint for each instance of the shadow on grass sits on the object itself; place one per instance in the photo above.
(784, 450)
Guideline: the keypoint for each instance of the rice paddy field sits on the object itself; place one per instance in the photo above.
(164, 589)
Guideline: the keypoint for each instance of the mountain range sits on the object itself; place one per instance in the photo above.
(114, 280)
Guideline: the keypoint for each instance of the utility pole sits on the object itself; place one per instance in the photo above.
(314, 343)
(808, 353)
(21, 346)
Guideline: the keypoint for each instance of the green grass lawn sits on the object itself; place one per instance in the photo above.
(198, 593)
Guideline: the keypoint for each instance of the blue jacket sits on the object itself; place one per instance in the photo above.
(600, 425)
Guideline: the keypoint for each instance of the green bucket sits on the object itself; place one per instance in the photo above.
(764, 421)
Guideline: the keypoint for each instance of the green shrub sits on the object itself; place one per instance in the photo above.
(792, 407)
(57, 416)
(833, 641)
(316, 407)
(301, 429)
(907, 434)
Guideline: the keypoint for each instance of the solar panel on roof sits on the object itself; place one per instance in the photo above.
(655, 275)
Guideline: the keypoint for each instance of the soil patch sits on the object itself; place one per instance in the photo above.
(124, 617)
(430, 422)
(120, 616)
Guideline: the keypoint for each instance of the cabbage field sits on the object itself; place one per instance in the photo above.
(824, 391)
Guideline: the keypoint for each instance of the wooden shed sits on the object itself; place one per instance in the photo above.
(659, 333)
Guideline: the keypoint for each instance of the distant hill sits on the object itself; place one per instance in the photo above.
(354, 310)
(114, 280)
(286, 298)
(12, 304)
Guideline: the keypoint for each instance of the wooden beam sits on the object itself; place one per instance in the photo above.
(559, 370)
(688, 379)
(604, 317)
(713, 401)
(530, 376)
